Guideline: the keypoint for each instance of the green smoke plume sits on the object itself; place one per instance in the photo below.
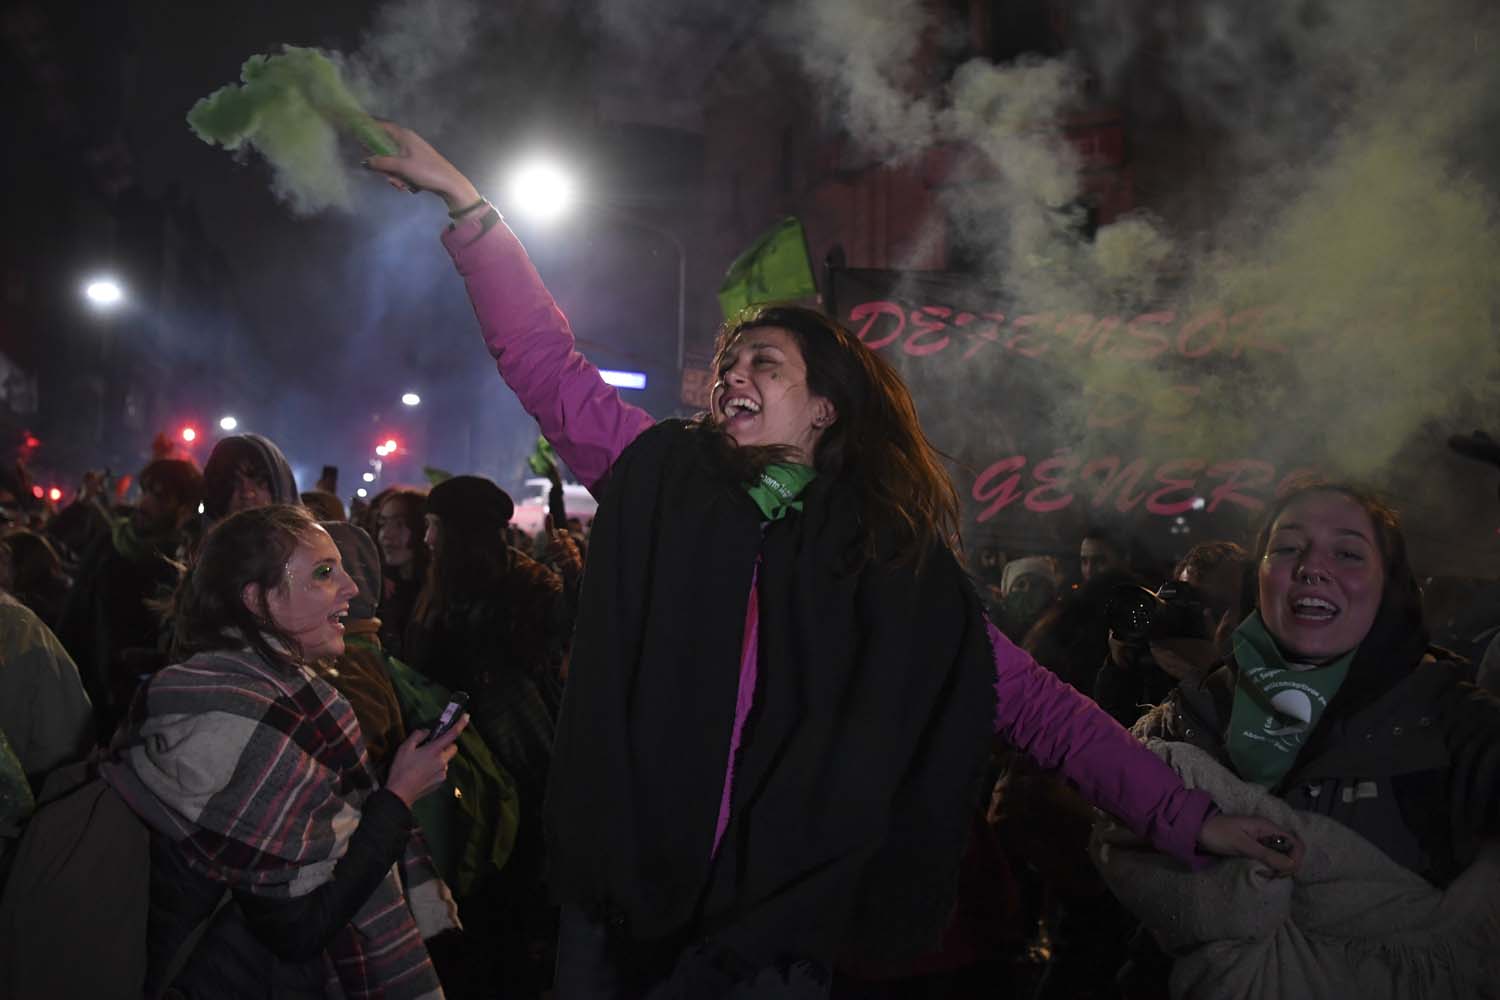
(289, 108)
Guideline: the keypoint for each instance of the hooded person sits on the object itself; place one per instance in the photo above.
(470, 828)
(244, 471)
(360, 673)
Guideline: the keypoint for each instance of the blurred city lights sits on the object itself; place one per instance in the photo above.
(390, 446)
(54, 494)
(189, 434)
(380, 450)
(411, 399)
(104, 292)
(542, 191)
(38, 492)
(361, 492)
(369, 477)
(228, 423)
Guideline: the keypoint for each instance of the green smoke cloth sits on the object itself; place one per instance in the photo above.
(287, 108)
(280, 85)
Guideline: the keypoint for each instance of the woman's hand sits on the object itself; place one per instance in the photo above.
(1247, 837)
(417, 770)
(419, 167)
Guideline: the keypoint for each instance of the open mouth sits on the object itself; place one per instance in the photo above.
(338, 618)
(740, 407)
(1314, 609)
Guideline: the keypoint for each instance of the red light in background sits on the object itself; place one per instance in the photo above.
(54, 494)
(38, 492)
(391, 446)
(189, 434)
(32, 441)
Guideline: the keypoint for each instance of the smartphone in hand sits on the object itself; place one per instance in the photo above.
(458, 701)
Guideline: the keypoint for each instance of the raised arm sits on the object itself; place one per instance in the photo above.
(1060, 728)
(528, 336)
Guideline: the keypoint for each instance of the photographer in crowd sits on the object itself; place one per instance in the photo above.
(1157, 640)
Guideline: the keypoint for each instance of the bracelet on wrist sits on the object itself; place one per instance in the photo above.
(456, 213)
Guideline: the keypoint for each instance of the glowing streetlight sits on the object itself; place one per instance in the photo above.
(390, 446)
(228, 423)
(361, 492)
(369, 477)
(542, 190)
(189, 434)
(411, 399)
(104, 292)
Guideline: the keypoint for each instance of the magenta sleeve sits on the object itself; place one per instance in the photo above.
(532, 344)
(1060, 728)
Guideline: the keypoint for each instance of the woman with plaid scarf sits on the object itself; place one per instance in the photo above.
(269, 825)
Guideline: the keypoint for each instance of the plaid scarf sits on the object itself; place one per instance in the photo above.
(258, 776)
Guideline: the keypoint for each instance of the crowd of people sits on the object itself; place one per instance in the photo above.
(732, 737)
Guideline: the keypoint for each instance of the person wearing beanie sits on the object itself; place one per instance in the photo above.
(361, 678)
(495, 623)
(472, 501)
(1028, 588)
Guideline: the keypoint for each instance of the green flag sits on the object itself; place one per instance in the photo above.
(543, 458)
(774, 269)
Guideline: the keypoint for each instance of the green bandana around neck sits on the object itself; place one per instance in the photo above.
(779, 489)
(1276, 707)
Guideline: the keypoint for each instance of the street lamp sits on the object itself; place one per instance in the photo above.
(544, 191)
(104, 292)
(411, 399)
(228, 423)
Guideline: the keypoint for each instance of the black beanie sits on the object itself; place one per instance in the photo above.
(470, 500)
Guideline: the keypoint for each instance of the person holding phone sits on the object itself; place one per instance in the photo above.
(783, 688)
(251, 773)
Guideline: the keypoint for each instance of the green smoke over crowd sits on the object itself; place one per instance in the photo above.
(1334, 183)
(290, 108)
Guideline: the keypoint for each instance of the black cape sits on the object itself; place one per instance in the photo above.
(860, 761)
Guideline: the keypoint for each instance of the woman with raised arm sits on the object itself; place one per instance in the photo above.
(783, 687)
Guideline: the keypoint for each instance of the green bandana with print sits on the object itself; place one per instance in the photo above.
(779, 488)
(1276, 707)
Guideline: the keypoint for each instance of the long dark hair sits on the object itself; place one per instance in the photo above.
(410, 502)
(471, 559)
(875, 444)
(252, 546)
(1401, 595)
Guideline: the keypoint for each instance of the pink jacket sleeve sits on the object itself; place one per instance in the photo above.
(529, 338)
(1060, 728)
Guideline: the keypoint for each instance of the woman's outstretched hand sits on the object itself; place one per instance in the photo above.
(418, 167)
(1251, 837)
(417, 770)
